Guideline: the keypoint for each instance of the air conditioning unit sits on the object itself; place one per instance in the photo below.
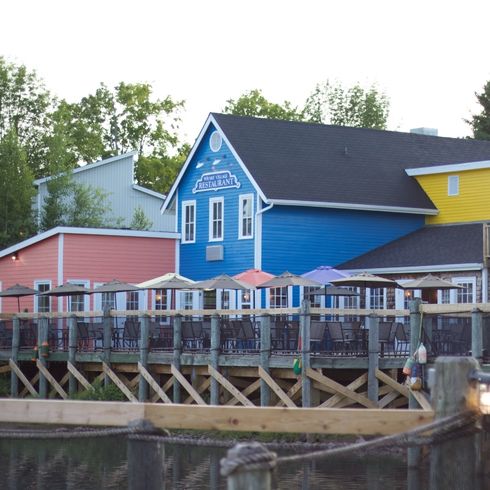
(214, 253)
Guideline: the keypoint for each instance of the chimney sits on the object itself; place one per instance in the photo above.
(426, 131)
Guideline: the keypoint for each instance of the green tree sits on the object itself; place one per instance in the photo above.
(355, 106)
(480, 123)
(255, 104)
(16, 191)
(140, 221)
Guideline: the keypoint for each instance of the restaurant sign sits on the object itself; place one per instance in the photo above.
(214, 181)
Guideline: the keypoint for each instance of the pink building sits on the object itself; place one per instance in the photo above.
(90, 257)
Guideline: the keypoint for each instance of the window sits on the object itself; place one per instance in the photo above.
(246, 299)
(189, 222)
(42, 304)
(279, 297)
(376, 298)
(79, 302)
(315, 299)
(108, 301)
(216, 205)
(187, 300)
(132, 300)
(466, 294)
(245, 217)
(453, 185)
(160, 304)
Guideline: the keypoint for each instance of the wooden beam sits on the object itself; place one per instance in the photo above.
(153, 384)
(45, 372)
(253, 419)
(187, 386)
(200, 389)
(24, 380)
(229, 387)
(421, 399)
(247, 391)
(63, 381)
(388, 398)
(5, 369)
(403, 390)
(33, 381)
(127, 393)
(276, 388)
(354, 385)
(293, 392)
(81, 379)
(362, 400)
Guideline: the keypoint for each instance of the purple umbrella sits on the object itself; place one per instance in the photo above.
(325, 274)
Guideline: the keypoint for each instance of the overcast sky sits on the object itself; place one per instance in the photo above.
(429, 57)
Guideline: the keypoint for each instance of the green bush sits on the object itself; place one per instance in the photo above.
(101, 393)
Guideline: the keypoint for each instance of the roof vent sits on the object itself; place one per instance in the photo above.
(425, 131)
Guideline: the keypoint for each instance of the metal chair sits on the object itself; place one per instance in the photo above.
(336, 336)
(386, 336)
(317, 335)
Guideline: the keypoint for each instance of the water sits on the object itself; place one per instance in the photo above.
(103, 463)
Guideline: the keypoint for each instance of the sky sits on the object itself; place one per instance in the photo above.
(429, 57)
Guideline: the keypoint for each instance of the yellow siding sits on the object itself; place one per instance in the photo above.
(472, 203)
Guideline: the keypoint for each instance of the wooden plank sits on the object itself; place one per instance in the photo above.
(229, 387)
(357, 312)
(201, 389)
(354, 385)
(362, 400)
(276, 388)
(153, 384)
(5, 369)
(80, 377)
(187, 386)
(292, 393)
(44, 371)
(24, 380)
(165, 388)
(33, 381)
(246, 391)
(421, 399)
(403, 390)
(63, 381)
(118, 383)
(173, 416)
(388, 398)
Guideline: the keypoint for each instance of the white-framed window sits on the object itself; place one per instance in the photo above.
(246, 299)
(42, 304)
(376, 298)
(278, 297)
(465, 295)
(161, 301)
(216, 219)
(132, 300)
(188, 221)
(79, 302)
(316, 300)
(453, 185)
(246, 216)
(187, 298)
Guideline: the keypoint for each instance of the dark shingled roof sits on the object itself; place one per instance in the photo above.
(316, 162)
(431, 245)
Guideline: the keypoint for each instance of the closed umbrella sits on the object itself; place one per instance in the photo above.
(366, 280)
(17, 291)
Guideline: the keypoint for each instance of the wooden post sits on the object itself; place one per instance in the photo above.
(14, 379)
(215, 348)
(144, 347)
(453, 462)
(146, 469)
(265, 353)
(42, 336)
(107, 321)
(373, 357)
(241, 479)
(476, 334)
(177, 353)
(72, 353)
(304, 327)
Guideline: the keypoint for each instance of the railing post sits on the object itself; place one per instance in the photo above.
(373, 357)
(454, 462)
(476, 334)
(304, 326)
(107, 322)
(146, 469)
(42, 336)
(144, 347)
(215, 348)
(242, 479)
(177, 353)
(265, 352)
(72, 353)
(14, 380)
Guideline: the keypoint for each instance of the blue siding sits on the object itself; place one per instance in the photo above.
(299, 239)
(238, 254)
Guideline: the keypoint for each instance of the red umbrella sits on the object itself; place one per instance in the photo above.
(254, 276)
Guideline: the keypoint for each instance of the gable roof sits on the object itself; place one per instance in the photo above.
(428, 248)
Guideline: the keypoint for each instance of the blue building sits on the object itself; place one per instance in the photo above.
(278, 195)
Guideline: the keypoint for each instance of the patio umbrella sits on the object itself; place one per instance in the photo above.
(288, 279)
(170, 281)
(115, 286)
(333, 291)
(366, 280)
(324, 274)
(254, 276)
(66, 289)
(430, 282)
(17, 291)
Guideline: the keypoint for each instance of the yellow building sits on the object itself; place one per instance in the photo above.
(461, 192)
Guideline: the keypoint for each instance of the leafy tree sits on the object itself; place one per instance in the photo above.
(140, 221)
(16, 191)
(480, 123)
(355, 106)
(255, 104)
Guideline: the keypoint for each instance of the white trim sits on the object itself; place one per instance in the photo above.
(137, 187)
(210, 120)
(185, 204)
(358, 207)
(484, 286)
(90, 166)
(421, 268)
(241, 199)
(61, 256)
(258, 235)
(453, 185)
(213, 200)
(450, 167)
(86, 231)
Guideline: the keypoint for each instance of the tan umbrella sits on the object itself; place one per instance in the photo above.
(115, 286)
(430, 282)
(17, 291)
(66, 289)
(170, 281)
(288, 279)
(365, 280)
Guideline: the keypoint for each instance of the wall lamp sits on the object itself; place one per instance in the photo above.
(15, 256)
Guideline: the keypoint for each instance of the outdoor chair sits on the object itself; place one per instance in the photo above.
(402, 341)
(245, 334)
(131, 333)
(317, 335)
(189, 338)
(278, 335)
(336, 336)
(386, 337)
(83, 336)
(354, 335)
(228, 335)
(292, 335)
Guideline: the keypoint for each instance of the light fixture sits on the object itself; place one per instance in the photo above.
(408, 293)
(15, 256)
(483, 386)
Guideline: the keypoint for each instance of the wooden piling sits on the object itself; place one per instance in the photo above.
(146, 469)
(215, 346)
(373, 357)
(304, 327)
(265, 353)
(14, 379)
(476, 334)
(177, 354)
(42, 336)
(72, 353)
(144, 347)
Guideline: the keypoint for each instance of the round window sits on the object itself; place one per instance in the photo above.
(215, 141)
